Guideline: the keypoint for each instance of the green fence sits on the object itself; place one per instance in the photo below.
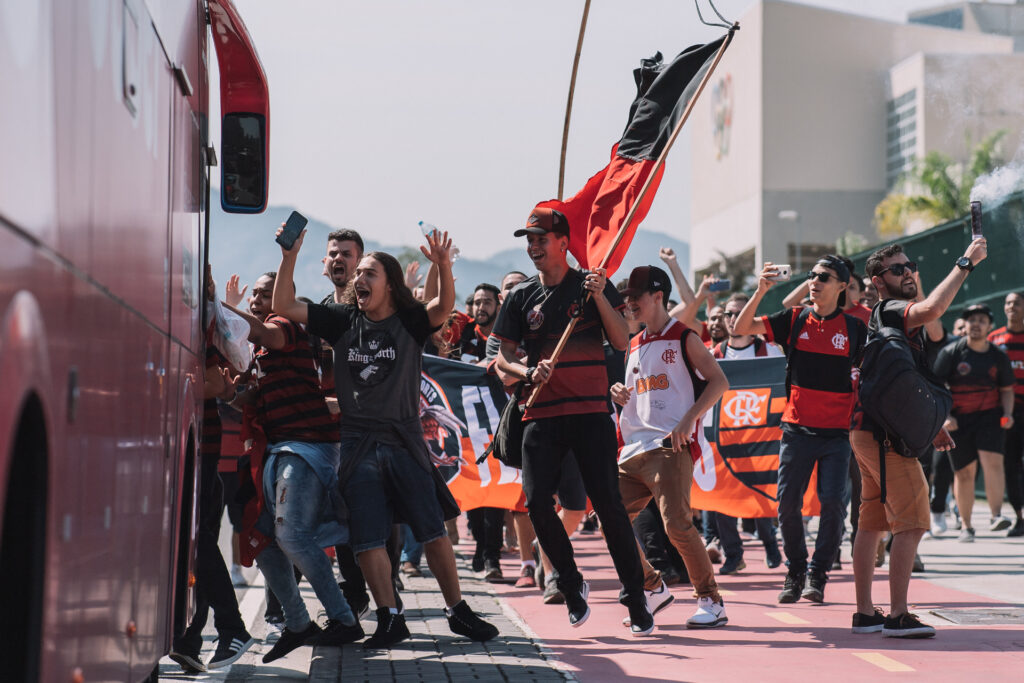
(935, 249)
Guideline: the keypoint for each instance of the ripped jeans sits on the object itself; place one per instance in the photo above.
(298, 504)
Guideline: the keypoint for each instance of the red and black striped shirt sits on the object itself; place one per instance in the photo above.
(291, 402)
(535, 316)
(821, 395)
(1012, 343)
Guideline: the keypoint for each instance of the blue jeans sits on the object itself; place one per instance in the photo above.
(298, 505)
(798, 454)
(412, 550)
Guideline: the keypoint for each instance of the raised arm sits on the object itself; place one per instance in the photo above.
(438, 251)
(746, 322)
(686, 312)
(260, 333)
(798, 294)
(668, 256)
(936, 303)
(284, 302)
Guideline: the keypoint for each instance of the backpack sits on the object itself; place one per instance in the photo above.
(901, 396)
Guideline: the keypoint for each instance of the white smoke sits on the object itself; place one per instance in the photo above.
(992, 189)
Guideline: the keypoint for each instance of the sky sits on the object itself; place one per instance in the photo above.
(389, 112)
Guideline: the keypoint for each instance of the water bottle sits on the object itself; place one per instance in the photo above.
(427, 229)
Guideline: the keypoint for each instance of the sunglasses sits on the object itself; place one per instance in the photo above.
(820, 277)
(898, 269)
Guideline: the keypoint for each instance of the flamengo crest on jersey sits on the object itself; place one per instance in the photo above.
(662, 391)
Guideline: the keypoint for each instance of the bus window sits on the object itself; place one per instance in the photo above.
(243, 177)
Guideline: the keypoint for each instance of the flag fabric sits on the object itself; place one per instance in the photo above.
(739, 476)
(459, 408)
(596, 213)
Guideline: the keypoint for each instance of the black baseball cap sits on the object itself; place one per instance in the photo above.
(647, 279)
(543, 220)
(977, 308)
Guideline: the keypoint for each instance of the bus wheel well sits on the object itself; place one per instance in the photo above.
(23, 545)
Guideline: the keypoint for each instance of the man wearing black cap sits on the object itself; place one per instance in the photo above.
(671, 382)
(980, 377)
(821, 343)
(571, 412)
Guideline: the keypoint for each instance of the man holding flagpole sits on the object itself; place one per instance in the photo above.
(571, 411)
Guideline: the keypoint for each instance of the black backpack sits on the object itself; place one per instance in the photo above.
(904, 399)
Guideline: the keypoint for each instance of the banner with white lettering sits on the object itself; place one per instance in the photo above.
(459, 407)
(739, 476)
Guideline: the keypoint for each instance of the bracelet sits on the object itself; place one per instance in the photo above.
(529, 374)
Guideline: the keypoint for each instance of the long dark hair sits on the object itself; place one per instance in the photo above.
(400, 294)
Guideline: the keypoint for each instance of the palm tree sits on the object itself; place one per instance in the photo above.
(936, 189)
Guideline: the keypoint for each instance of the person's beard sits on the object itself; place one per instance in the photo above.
(484, 318)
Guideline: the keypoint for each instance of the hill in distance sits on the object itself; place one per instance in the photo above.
(244, 244)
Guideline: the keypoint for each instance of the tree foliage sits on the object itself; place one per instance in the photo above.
(937, 188)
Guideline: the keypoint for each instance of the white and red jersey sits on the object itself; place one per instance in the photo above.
(663, 390)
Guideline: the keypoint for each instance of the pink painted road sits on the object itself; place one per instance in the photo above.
(765, 641)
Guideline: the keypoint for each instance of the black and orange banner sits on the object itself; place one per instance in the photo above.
(459, 407)
(739, 477)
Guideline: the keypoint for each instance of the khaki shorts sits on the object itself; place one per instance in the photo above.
(906, 494)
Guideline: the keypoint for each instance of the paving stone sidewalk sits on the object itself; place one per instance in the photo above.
(433, 653)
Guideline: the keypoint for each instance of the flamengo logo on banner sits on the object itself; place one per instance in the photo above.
(652, 383)
(745, 407)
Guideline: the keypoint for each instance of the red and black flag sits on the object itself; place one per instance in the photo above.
(596, 213)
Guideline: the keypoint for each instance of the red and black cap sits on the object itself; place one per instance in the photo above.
(647, 279)
(543, 220)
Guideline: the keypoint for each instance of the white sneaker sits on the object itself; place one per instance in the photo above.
(966, 535)
(938, 524)
(274, 630)
(999, 523)
(238, 579)
(656, 601)
(709, 614)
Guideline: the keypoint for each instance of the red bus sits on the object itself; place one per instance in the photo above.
(104, 185)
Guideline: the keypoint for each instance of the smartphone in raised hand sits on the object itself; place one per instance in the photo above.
(976, 230)
(292, 229)
(720, 286)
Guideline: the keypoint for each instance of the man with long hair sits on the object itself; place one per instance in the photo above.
(378, 332)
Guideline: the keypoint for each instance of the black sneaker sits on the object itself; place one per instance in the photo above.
(391, 629)
(793, 587)
(576, 601)
(465, 622)
(189, 661)
(772, 558)
(906, 626)
(732, 565)
(815, 591)
(230, 646)
(868, 623)
(641, 621)
(477, 564)
(492, 572)
(1016, 530)
(335, 634)
(291, 640)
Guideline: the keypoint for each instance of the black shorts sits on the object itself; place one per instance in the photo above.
(976, 432)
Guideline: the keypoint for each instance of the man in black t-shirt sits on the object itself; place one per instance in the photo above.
(572, 411)
(980, 377)
(905, 512)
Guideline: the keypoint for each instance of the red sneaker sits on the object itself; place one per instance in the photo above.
(526, 579)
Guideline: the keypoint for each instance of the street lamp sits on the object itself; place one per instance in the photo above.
(791, 216)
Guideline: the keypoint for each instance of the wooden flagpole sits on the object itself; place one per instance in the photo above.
(636, 205)
(568, 104)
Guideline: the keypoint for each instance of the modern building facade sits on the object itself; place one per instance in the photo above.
(813, 114)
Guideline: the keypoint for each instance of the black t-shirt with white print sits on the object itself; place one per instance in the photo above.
(377, 365)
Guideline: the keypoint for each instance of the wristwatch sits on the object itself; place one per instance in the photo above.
(964, 263)
(529, 374)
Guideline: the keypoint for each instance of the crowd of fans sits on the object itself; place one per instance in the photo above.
(319, 443)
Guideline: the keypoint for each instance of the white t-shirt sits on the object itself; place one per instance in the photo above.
(662, 392)
(748, 351)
